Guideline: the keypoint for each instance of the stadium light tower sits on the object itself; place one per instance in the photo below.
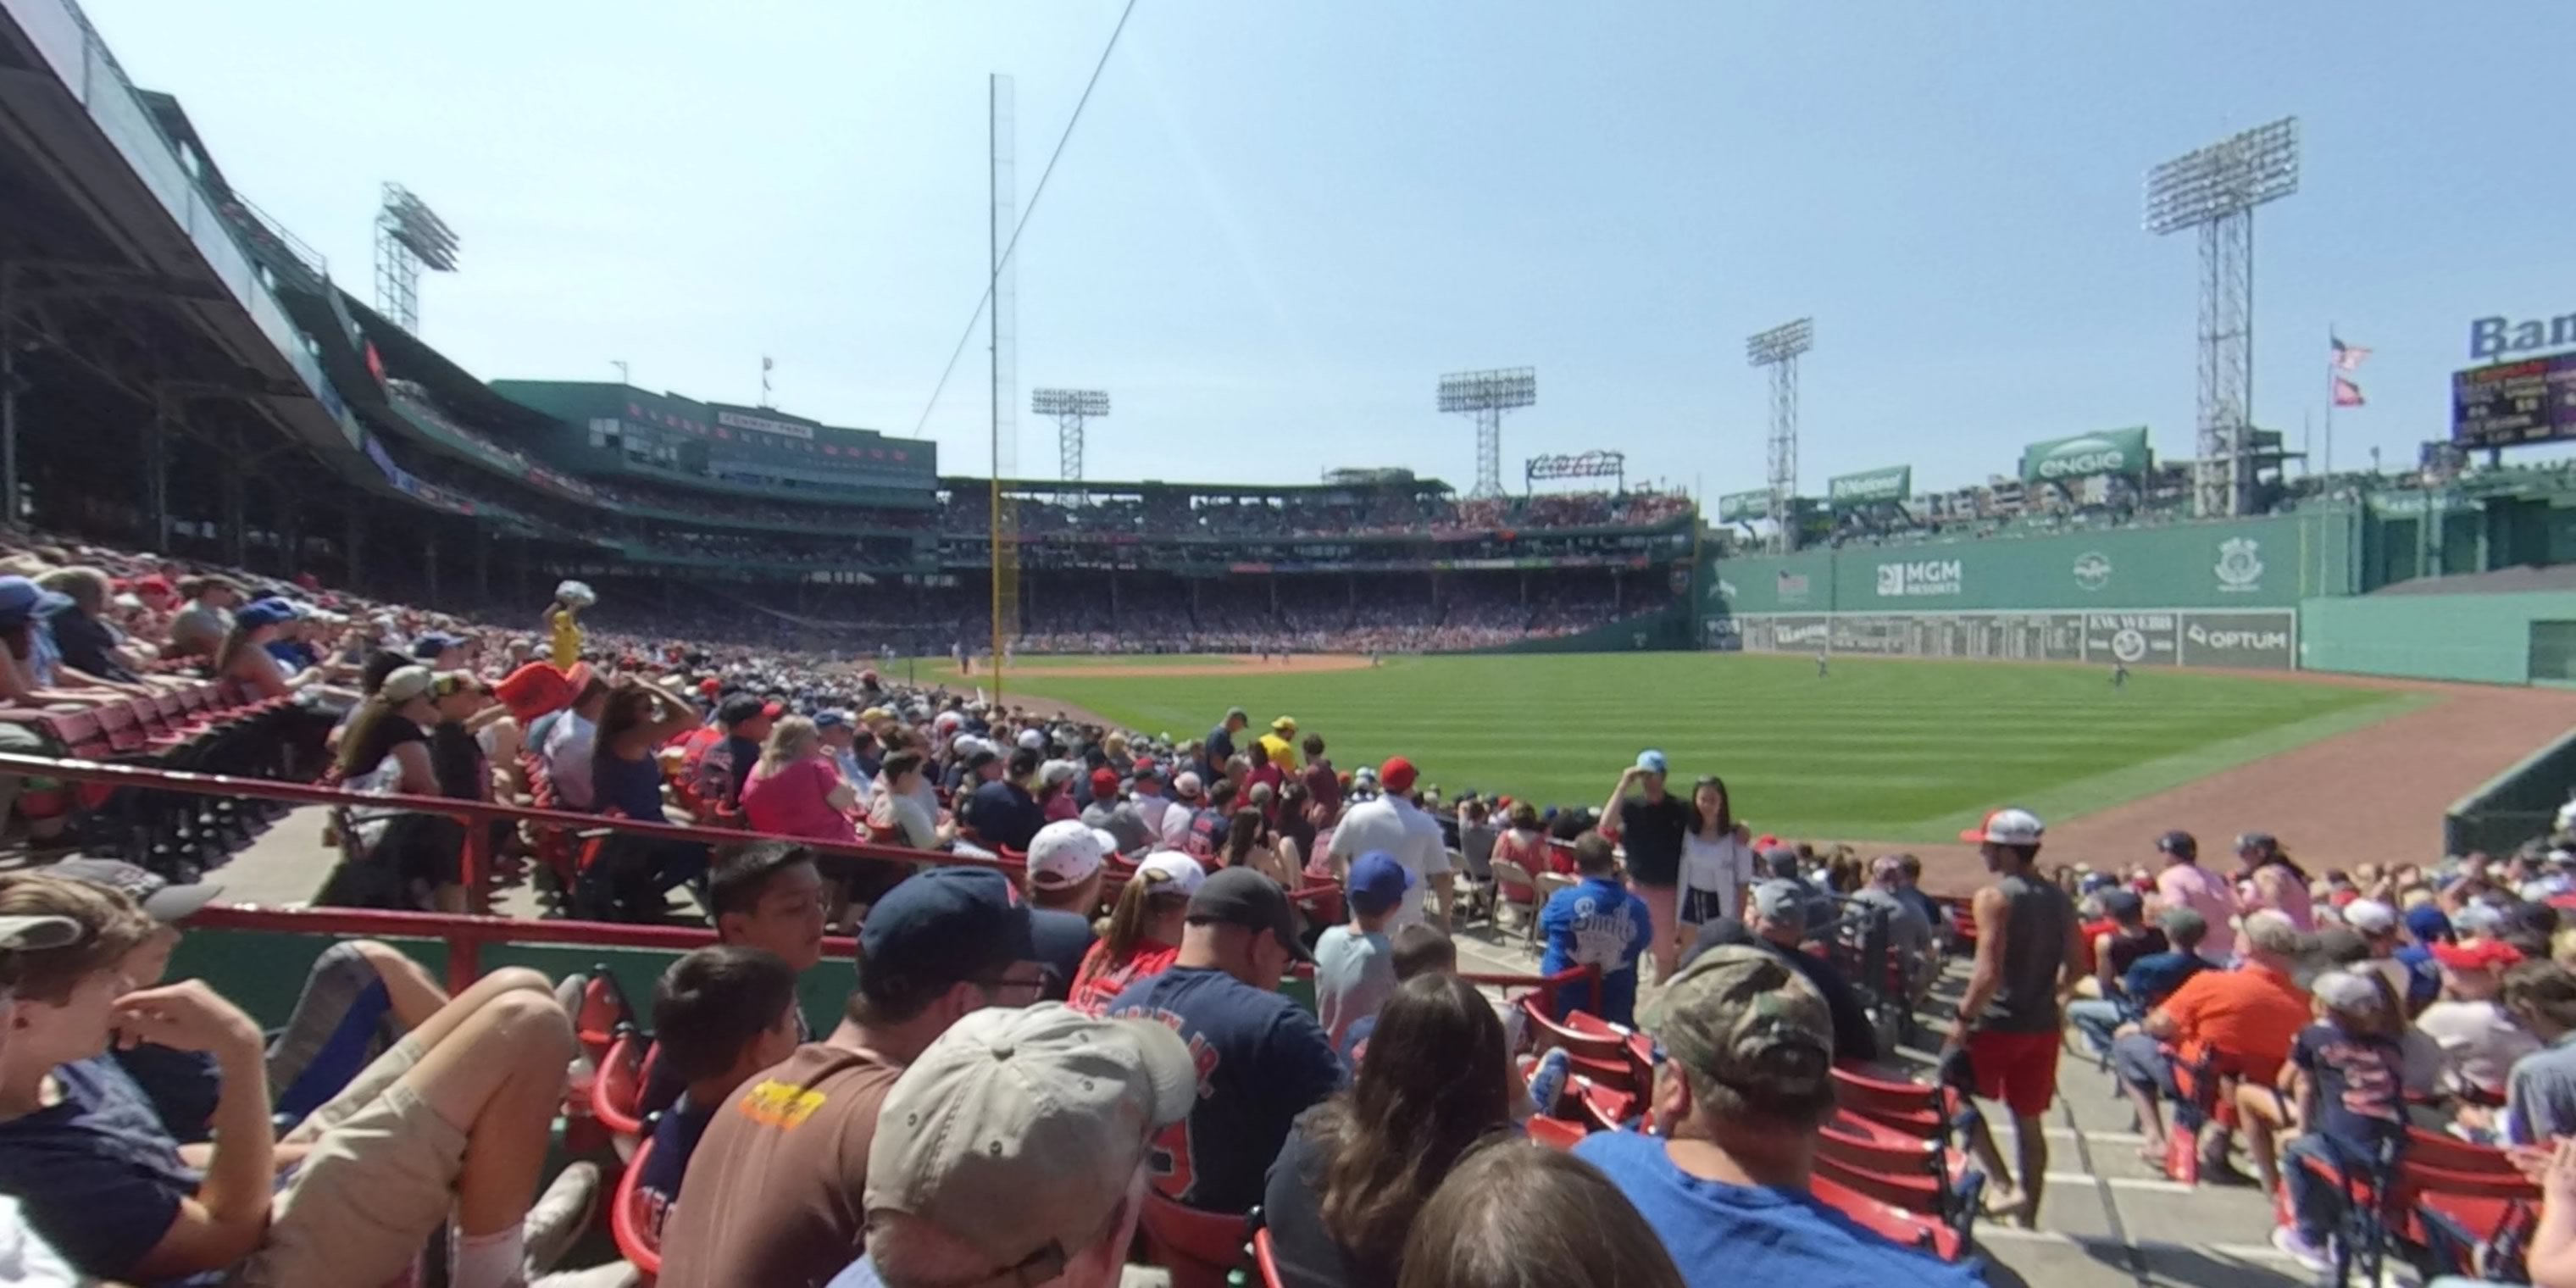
(1486, 395)
(409, 237)
(2215, 190)
(1070, 407)
(1778, 349)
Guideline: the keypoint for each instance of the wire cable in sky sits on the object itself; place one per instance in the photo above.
(1035, 195)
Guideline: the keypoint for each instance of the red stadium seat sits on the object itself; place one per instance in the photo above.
(617, 1091)
(631, 1223)
(1264, 1257)
(1556, 1133)
(1199, 1249)
(1896, 1224)
(1609, 1056)
(604, 1010)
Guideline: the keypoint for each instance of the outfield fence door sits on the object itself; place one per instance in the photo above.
(2553, 652)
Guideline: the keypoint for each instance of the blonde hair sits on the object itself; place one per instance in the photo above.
(790, 737)
(1147, 894)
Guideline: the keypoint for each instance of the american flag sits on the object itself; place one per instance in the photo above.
(2346, 393)
(2346, 357)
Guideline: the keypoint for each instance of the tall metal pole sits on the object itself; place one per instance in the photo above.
(8, 394)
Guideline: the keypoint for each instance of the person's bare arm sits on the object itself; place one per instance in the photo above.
(678, 716)
(1987, 976)
(2071, 968)
(1609, 824)
(224, 1221)
(2552, 1259)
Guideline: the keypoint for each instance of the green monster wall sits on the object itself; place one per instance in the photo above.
(2260, 563)
(2209, 594)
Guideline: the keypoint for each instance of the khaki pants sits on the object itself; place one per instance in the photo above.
(379, 1182)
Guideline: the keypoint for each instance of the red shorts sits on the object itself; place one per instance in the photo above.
(2019, 1069)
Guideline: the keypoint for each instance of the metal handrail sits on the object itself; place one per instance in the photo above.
(466, 933)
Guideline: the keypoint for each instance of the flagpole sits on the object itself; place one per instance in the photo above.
(2330, 396)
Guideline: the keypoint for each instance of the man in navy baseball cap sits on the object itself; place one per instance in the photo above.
(777, 1172)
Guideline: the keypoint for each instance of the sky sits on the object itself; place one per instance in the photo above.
(1276, 225)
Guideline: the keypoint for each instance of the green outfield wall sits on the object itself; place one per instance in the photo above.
(2527, 638)
(2258, 563)
(2184, 594)
(1661, 631)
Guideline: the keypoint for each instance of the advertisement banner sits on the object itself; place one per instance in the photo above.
(2260, 639)
(1743, 507)
(1870, 487)
(2063, 460)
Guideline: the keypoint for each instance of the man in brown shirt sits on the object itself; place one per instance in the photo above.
(773, 1195)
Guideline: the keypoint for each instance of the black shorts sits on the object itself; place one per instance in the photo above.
(1661, 873)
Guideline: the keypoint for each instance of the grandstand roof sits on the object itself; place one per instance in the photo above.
(406, 355)
(1409, 486)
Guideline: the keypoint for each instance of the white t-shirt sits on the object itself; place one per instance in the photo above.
(1392, 824)
(26, 1261)
(1354, 975)
(1725, 866)
(1151, 809)
(568, 750)
(1174, 827)
(2478, 1040)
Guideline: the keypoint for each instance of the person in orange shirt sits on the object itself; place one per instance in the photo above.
(2243, 1019)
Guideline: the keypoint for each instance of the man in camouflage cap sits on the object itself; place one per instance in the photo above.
(1746, 1085)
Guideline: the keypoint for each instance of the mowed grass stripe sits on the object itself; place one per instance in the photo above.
(1886, 749)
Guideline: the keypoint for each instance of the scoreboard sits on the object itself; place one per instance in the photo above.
(2531, 401)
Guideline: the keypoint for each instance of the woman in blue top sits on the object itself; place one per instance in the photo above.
(628, 880)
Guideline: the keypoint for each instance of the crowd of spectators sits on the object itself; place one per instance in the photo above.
(1026, 1032)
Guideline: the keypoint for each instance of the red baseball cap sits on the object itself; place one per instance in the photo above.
(774, 710)
(710, 686)
(1104, 782)
(1396, 775)
(2477, 954)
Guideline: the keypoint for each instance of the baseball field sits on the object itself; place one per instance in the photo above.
(1895, 751)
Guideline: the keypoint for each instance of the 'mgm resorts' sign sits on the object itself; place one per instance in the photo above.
(2060, 460)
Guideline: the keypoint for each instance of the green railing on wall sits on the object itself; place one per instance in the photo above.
(2514, 806)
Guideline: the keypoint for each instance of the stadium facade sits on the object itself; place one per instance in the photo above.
(178, 371)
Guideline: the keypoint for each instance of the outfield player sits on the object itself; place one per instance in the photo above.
(2119, 675)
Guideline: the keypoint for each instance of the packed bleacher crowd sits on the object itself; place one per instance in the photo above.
(1069, 993)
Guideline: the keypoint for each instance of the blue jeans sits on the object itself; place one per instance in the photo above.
(2095, 1018)
(2140, 1061)
(2317, 1201)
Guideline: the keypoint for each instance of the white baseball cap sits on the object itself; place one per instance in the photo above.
(1065, 853)
(1185, 873)
(2370, 916)
(2006, 827)
(38, 932)
(1032, 740)
(1042, 1104)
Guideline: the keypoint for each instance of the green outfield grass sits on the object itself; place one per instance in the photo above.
(1884, 750)
(940, 668)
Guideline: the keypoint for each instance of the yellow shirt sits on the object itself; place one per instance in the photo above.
(567, 640)
(1279, 751)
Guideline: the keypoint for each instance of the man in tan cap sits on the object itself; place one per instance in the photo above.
(1739, 1104)
(1013, 1151)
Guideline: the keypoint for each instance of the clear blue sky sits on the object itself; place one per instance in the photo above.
(1279, 223)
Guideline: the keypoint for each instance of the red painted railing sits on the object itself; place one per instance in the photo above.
(465, 935)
